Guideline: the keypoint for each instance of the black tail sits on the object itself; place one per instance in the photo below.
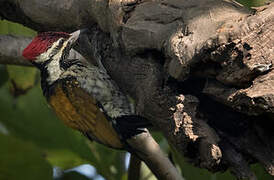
(130, 125)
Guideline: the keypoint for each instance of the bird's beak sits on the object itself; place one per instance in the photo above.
(75, 35)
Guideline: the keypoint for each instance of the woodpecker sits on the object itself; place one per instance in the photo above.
(82, 95)
(85, 98)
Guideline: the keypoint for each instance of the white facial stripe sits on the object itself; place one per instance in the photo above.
(53, 66)
(45, 56)
(54, 70)
(60, 52)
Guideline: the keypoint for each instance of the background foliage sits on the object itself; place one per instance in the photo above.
(33, 140)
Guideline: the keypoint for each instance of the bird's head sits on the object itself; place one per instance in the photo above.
(50, 45)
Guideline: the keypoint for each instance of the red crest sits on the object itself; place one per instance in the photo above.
(41, 43)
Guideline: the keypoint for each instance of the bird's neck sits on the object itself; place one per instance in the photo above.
(54, 71)
(50, 70)
(50, 73)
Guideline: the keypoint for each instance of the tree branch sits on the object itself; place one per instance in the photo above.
(192, 42)
(154, 157)
(11, 48)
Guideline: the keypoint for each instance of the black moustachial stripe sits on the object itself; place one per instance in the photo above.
(67, 63)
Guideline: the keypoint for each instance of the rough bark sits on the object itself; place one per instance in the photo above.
(201, 71)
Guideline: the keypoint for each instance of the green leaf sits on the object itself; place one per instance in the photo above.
(260, 172)
(3, 74)
(22, 160)
(252, 3)
(109, 162)
(21, 79)
(73, 176)
(7, 27)
(33, 120)
(146, 174)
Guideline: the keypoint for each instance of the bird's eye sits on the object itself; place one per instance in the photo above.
(62, 41)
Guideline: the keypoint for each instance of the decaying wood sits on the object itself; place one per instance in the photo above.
(201, 71)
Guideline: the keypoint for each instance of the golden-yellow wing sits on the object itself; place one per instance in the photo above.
(78, 110)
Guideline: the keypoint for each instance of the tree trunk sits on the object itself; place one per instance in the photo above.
(200, 71)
